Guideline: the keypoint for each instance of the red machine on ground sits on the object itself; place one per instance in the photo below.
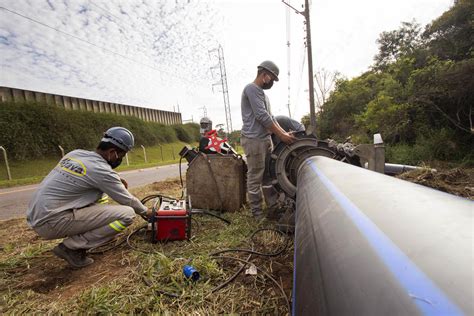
(172, 221)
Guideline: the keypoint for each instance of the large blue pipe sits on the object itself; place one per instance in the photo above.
(370, 244)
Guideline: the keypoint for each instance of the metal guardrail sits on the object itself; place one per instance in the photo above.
(371, 244)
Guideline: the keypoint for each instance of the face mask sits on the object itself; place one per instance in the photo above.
(267, 85)
(116, 163)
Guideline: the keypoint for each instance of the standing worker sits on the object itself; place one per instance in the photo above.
(65, 205)
(257, 127)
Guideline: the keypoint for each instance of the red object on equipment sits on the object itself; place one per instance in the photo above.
(215, 142)
(172, 221)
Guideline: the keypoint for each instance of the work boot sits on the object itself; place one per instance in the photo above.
(286, 223)
(76, 258)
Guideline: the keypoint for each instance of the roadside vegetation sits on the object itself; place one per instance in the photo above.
(32, 134)
(33, 171)
(419, 93)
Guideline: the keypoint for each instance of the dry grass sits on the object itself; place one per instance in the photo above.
(123, 280)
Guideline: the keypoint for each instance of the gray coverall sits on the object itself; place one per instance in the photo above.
(65, 205)
(257, 145)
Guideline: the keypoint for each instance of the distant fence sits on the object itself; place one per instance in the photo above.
(72, 103)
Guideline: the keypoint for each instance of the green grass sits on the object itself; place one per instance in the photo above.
(30, 172)
(33, 281)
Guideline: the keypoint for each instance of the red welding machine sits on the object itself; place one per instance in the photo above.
(172, 221)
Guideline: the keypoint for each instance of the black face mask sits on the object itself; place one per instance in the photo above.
(116, 163)
(267, 85)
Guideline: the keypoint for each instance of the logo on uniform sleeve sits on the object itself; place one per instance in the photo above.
(74, 166)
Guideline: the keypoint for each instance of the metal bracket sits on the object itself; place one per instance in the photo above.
(373, 155)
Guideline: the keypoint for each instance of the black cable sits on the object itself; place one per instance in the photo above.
(265, 273)
(181, 177)
(152, 196)
(132, 234)
(251, 251)
(231, 279)
(103, 248)
(205, 212)
(153, 220)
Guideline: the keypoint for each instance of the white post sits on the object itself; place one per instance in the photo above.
(126, 159)
(6, 162)
(144, 153)
(62, 150)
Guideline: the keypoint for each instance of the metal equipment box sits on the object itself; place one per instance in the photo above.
(216, 182)
(172, 221)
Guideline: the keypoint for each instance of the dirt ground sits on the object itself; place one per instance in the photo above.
(41, 272)
(457, 181)
(28, 266)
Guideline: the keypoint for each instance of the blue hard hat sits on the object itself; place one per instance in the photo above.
(120, 137)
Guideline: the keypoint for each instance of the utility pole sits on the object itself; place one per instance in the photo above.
(288, 56)
(223, 83)
(312, 112)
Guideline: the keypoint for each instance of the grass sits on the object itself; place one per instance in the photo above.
(127, 281)
(33, 171)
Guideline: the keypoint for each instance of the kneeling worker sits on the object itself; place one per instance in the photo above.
(65, 204)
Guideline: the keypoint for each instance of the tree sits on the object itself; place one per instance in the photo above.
(390, 119)
(325, 83)
(446, 87)
(397, 43)
(450, 36)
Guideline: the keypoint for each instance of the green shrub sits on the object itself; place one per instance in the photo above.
(188, 132)
(435, 145)
(35, 130)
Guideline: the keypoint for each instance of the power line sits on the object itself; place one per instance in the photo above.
(95, 45)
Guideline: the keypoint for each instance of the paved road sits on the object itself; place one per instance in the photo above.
(14, 201)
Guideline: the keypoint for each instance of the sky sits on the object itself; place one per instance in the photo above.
(163, 54)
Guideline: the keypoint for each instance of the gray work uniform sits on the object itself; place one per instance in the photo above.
(257, 145)
(65, 204)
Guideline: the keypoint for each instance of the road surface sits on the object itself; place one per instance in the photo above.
(14, 201)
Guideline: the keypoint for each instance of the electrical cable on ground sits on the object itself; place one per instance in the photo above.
(215, 255)
(266, 274)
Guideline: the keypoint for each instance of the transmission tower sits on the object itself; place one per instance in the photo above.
(223, 83)
(204, 111)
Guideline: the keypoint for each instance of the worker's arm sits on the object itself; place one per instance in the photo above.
(285, 137)
(110, 183)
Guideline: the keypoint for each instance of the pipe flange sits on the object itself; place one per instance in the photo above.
(285, 160)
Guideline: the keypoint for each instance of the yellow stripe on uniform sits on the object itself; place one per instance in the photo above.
(104, 199)
(117, 226)
(120, 225)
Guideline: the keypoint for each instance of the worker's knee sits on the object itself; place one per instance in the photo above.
(126, 215)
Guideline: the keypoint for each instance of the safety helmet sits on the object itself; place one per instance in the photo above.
(120, 137)
(205, 125)
(271, 67)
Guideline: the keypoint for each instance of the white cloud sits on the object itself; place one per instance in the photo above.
(161, 48)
